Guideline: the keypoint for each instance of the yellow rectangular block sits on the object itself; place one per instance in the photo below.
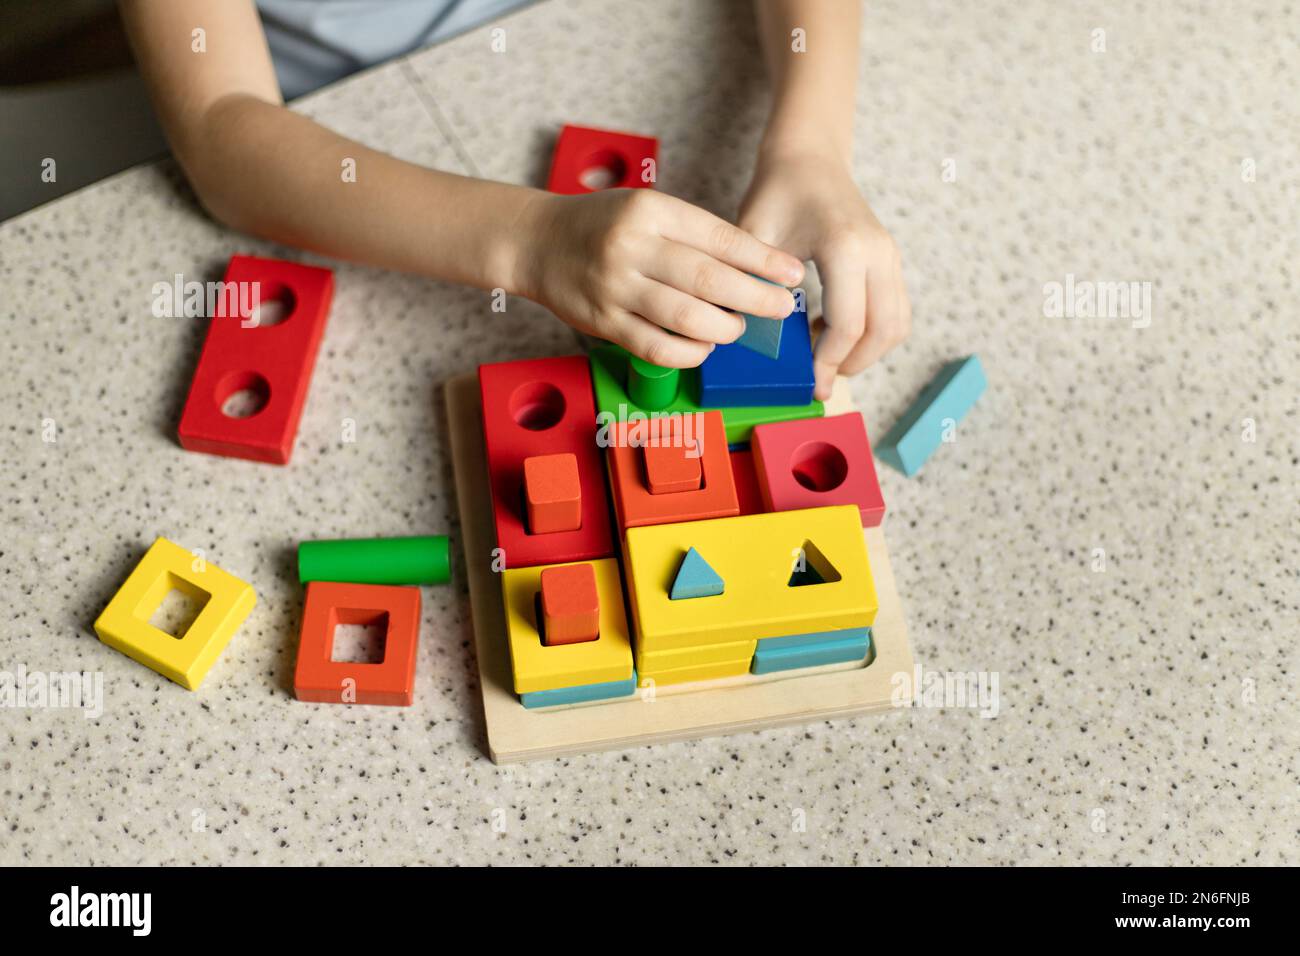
(680, 675)
(756, 556)
(124, 624)
(538, 667)
(694, 656)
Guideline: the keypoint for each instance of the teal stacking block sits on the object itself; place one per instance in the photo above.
(583, 694)
(917, 435)
(695, 579)
(811, 650)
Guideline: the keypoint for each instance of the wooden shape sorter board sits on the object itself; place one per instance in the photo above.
(727, 705)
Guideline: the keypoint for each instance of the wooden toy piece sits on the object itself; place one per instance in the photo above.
(418, 559)
(553, 493)
(570, 605)
(701, 434)
(940, 406)
(671, 469)
(822, 462)
(609, 376)
(582, 154)
(543, 407)
(755, 555)
(584, 694)
(538, 666)
(701, 672)
(321, 679)
(734, 375)
(695, 579)
(748, 495)
(226, 602)
(649, 662)
(811, 650)
(244, 353)
(652, 387)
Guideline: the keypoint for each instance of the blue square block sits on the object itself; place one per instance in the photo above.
(811, 650)
(734, 375)
(920, 431)
(607, 690)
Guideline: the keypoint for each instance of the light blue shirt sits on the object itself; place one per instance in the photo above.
(315, 42)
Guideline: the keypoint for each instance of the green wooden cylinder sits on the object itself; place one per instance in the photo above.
(421, 559)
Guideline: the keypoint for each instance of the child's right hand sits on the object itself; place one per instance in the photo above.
(628, 264)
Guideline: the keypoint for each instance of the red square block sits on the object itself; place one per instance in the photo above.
(670, 470)
(700, 433)
(570, 605)
(321, 679)
(748, 494)
(553, 493)
(543, 407)
(817, 462)
(584, 156)
(245, 353)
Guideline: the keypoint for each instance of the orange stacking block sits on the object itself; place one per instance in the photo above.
(553, 493)
(570, 605)
(669, 470)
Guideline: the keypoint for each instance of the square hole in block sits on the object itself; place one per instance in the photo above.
(177, 607)
(360, 636)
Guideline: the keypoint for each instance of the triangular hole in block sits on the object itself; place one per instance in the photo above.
(695, 578)
(811, 567)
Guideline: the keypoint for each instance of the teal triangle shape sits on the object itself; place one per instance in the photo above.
(695, 578)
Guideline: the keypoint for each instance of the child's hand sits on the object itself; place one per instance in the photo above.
(808, 205)
(627, 264)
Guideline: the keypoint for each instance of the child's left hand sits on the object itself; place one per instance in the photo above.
(808, 205)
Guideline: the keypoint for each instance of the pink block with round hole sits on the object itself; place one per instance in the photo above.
(815, 462)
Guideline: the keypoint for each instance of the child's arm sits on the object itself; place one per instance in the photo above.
(803, 198)
(623, 265)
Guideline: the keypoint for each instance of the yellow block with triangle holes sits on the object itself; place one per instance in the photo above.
(757, 557)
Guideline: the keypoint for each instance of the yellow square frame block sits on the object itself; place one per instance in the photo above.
(538, 667)
(755, 556)
(681, 675)
(124, 624)
(650, 660)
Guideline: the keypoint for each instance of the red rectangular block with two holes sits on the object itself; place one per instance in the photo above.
(321, 679)
(817, 462)
(537, 408)
(588, 160)
(570, 605)
(245, 353)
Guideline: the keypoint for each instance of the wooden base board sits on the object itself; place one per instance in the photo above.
(659, 715)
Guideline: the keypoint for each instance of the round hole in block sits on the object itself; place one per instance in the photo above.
(537, 406)
(243, 394)
(819, 466)
(269, 305)
(603, 169)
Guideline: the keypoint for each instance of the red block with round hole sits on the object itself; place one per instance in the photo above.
(817, 462)
(543, 407)
(553, 493)
(321, 679)
(670, 470)
(615, 160)
(244, 352)
(570, 605)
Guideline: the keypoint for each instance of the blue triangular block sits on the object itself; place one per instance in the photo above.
(695, 579)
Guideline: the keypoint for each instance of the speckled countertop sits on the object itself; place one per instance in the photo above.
(1147, 711)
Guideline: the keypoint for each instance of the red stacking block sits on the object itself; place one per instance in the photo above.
(274, 362)
(570, 605)
(748, 495)
(670, 469)
(534, 408)
(553, 493)
(622, 156)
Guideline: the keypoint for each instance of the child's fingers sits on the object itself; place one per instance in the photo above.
(648, 341)
(703, 277)
(889, 320)
(693, 226)
(687, 315)
(844, 300)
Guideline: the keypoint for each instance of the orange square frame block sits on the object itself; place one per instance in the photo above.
(702, 434)
(570, 605)
(552, 493)
(320, 679)
(670, 469)
(818, 462)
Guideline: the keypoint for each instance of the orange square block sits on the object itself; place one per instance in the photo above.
(670, 470)
(699, 435)
(321, 679)
(552, 493)
(570, 605)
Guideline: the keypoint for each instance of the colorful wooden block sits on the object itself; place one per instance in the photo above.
(652, 387)
(321, 679)
(811, 650)
(543, 407)
(940, 406)
(609, 375)
(743, 473)
(583, 694)
(271, 362)
(584, 155)
(702, 434)
(755, 555)
(683, 675)
(226, 602)
(812, 464)
(540, 667)
(670, 469)
(570, 605)
(415, 559)
(695, 579)
(552, 493)
(734, 375)
(701, 656)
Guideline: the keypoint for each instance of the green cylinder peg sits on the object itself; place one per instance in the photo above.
(651, 387)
